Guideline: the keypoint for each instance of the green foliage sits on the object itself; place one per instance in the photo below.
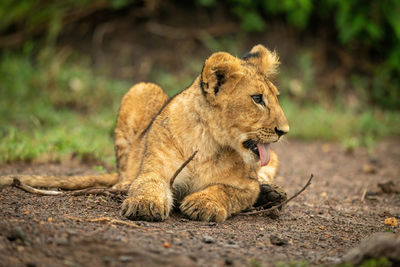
(352, 128)
(31, 17)
(59, 107)
(251, 19)
(297, 12)
(56, 108)
(303, 263)
(373, 26)
(207, 3)
(254, 263)
(174, 83)
(380, 262)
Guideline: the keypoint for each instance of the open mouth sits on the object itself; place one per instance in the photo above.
(262, 150)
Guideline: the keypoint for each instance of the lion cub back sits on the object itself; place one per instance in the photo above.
(138, 107)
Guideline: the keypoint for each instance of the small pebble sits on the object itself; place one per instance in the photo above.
(15, 234)
(391, 222)
(62, 241)
(231, 245)
(368, 168)
(107, 259)
(278, 241)
(228, 261)
(333, 260)
(125, 258)
(208, 239)
(118, 237)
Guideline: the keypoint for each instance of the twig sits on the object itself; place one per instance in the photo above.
(96, 191)
(280, 205)
(181, 168)
(17, 183)
(364, 193)
(93, 190)
(105, 220)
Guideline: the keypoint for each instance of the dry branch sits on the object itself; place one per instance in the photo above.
(281, 204)
(93, 190)
(109, 220)
(17, 183)
(181, 168)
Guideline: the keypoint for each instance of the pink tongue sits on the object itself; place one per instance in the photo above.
(263, 150)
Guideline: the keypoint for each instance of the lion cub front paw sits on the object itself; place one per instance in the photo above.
(270, 195)
(147, 208)
(203, 208)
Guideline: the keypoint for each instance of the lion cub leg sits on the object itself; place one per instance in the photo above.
(217, 202)
(149, 198)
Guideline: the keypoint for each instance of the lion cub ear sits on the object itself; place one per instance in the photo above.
(220, 73)
(266, 61)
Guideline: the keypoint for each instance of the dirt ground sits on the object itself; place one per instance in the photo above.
(333, 215)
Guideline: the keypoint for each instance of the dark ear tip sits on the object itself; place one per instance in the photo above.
(249, 55)
(256, 51)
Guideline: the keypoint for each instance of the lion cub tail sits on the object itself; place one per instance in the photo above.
(63, 182)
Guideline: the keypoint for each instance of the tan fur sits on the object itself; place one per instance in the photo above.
(214, 116)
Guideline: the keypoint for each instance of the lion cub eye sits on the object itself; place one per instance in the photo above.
(258, 99)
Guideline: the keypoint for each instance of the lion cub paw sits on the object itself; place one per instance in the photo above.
(270, 195)
(145, 208)
(203, 208)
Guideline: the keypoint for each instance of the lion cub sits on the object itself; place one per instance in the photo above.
(225, 120)
(206, 149)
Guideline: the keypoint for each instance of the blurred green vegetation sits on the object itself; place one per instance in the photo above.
(379, 262)
(54, 104)
(371, 27)
(359, 25)
(56, 107)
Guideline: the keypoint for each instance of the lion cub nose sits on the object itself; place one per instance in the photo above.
(280, 132)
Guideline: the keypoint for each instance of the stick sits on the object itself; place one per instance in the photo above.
(280, 205)
(364, 193)
(94, 190)
(181, 168)
(17, 183)
(106, 220)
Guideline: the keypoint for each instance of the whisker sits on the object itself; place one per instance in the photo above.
(284, 140)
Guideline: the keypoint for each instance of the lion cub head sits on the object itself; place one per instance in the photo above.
(243, 102)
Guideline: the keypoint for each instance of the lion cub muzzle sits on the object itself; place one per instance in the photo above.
(260, 143)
